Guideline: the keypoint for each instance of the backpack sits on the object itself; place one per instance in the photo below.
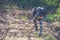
(41, 11)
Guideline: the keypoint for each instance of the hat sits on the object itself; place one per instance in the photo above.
(40, 8)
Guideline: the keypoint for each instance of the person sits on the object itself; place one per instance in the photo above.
(34, 11)
(38, 14)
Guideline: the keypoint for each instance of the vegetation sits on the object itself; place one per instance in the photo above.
(49, 18)
(28, 4)
(50, 38)
(24, 18)
(52, 17)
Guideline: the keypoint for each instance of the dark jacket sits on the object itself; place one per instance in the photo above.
(34, 12)
(39, 12)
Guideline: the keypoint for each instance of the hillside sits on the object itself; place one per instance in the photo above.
(13, 27)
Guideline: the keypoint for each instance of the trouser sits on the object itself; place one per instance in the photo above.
(40, 22)
(36, 27)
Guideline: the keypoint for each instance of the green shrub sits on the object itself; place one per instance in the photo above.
(58, 10)
(50, 38)
(11, 6)
(49, 18)
(57, 15)
(52, 17)
(24, 18)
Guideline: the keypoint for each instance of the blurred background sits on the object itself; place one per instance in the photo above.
(16, 15)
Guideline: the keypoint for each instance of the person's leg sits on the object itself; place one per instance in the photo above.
(40, 26)
(36, 27)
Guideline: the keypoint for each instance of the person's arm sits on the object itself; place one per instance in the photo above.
(32, 12)
(36, 14)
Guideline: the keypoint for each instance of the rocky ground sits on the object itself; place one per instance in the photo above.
(22, 31)
(12, 28)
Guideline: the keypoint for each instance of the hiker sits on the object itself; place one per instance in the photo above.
(38, 14)
(34, 10)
